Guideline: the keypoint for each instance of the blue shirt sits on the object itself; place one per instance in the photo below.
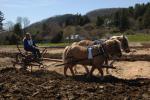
(28, 43)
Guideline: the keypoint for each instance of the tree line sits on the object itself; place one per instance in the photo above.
(135, 18)
(13, 31)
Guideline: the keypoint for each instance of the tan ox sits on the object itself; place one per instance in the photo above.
(122, 38)
(124, 46)
(77, 54)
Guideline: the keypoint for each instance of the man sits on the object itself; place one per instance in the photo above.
(29, 45)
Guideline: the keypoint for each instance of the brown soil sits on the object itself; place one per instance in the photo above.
(15, 84)
(129, 81)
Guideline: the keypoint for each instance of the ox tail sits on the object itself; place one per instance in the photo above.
(66, 54)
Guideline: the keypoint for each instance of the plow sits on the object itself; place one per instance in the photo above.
(26, 59)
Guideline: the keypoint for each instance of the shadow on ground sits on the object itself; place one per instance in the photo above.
(113, 80)
(82, 78)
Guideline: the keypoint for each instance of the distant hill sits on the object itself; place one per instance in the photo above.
(101, 12)
(48, 28)
(92, 14)
(56, 20)
(60, 19)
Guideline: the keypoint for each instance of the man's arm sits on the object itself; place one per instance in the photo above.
(34, 43)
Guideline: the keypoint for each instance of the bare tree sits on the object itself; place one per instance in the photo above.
(26, 22)
(19, 20)
(9, 25)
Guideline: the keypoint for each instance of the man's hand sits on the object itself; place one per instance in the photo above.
(34, 46)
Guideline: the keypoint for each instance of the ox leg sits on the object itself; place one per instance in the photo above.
(101, 71)
(75, 69)
(91, 71)
(71, 69)
(65, 70)
(107, 70)
(86, 69)
(31, 68)
(106, 63)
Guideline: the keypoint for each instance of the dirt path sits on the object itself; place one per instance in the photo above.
(132, 70)
(124, 69)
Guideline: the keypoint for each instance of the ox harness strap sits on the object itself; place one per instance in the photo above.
(90, 55)
(101, 51)
(105, 54)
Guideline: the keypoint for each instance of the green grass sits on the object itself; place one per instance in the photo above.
(53, 44)
(139, 38)
(39, 44)
(132, 38)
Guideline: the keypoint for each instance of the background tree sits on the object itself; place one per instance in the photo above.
(139, 10)
(100, 21)
(9, 25)
(83, 20)
(116, 19)
(1, 20)
(121, 19)
(17, 30)
(68, 31)
(58, 37)
(25, 22)
(124, 21)
(45, 29)
(17, 34)
(19, 21)
(146, 18)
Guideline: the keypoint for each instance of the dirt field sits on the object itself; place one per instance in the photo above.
(129, 81)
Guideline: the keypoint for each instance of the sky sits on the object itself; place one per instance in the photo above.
(36, 10)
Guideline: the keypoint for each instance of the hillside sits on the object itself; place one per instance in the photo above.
(49, 25)
(55, 24)
(102, 12)
(62, 18)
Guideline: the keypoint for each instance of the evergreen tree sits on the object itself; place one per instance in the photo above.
(44, 28)
(146, 19)
(100, 21)
(131, 11)
(1, 20)
(18, 30)
(17, 33)
(116, 19)
(124, 21)
(58, 37)
(121, 19)
(139, 10)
